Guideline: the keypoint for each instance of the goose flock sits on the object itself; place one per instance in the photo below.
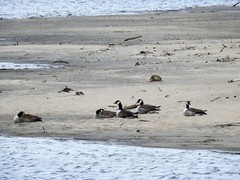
(140, 108)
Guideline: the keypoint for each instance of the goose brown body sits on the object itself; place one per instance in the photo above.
(22, 117)
(193, 111)
(101, 113)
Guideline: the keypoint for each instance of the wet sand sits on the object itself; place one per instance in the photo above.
(195, 51)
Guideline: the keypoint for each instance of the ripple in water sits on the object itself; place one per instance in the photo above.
(45, 158)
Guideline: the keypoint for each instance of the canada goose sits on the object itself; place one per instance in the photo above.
(146, 108)
(101, 113)
(193, 111)
(22, 117)
(124, 113)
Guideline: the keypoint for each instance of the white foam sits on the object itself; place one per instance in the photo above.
(14, 66)
(45, 158)
(54, 8)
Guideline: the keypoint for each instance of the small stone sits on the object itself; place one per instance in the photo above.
(155, 78)
(79, 93)
(137, 64)
(66, 89)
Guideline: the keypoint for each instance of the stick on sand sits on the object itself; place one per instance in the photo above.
(132, 38)
(233, 80)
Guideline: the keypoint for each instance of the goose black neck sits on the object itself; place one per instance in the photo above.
(120, 106)
(98, 111)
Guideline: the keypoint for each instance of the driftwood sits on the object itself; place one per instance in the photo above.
(228, 125)
(125, 40)
(142, 120)
(215, 99)
(66, 89)
(236, 4)
(224, 46)
(183, 101)
(122, 123)
(132, 38)
(209, 140)
(60, 61)
(112, 106)
(159, 89)
(233, 80)
(225, 59)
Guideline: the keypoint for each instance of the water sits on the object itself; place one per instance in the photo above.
(54, 8)
(14, 66)
(46, 158)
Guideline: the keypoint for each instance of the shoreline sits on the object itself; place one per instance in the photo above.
(196, 9)
(185, 49)
(125, 143)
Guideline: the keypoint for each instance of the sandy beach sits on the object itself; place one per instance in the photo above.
(196, 52)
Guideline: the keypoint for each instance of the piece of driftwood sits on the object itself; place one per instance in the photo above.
(228, 125)
(112, 106)
(183, 101)
(224, 46)
(233, 80)
(145, 52)
(236, 4)
(66, 89)
(60, 61)
(159, 89)
(143, 120)
(225, 59)
(209, 140)
(122, 123)
(215, 99)
(132, 38)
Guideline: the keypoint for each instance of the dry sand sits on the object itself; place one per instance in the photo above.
(182, 47)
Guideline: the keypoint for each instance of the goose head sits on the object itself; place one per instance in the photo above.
(19, 115)
(99, 110)
(140, 102)
(118, 102)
